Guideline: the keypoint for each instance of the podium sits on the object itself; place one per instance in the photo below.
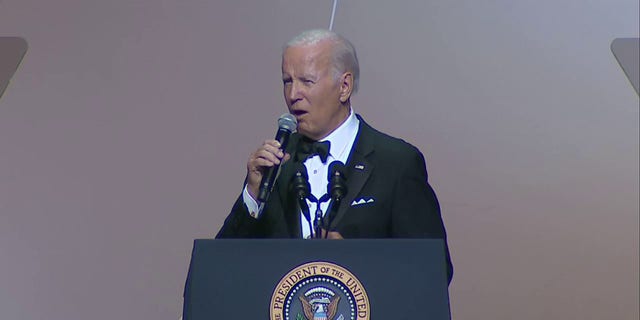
(295, 279)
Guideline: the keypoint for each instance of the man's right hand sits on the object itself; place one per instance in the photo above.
(267, 156)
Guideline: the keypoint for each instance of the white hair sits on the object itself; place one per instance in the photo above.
(343, 55)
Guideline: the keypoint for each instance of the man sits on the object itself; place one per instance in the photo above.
(387, 191)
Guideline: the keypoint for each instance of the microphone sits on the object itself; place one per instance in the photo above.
(337, 185)
(301, 189)
(337, 188)
(286, 125)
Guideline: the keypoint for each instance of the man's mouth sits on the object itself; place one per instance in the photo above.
(298, 113)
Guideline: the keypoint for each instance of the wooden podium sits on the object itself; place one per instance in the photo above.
(290, 279)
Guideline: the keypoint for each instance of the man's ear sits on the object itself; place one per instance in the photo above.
(346, 86)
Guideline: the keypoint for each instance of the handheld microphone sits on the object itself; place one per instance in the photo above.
(286, 125)
(301, 189)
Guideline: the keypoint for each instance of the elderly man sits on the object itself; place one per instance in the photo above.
(388, 194)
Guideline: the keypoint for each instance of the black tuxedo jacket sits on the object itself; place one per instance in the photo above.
(388, 196)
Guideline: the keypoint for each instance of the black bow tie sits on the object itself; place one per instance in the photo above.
(308, 148)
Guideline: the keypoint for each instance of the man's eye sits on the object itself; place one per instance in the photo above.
(286, 81)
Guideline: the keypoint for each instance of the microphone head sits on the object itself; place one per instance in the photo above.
(300, 170)
(337, 185)
(337, 168)
(300, 181)
(287, 122)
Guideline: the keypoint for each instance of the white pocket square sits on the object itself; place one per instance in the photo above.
(360, 201)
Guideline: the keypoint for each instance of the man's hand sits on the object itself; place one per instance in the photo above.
(267, 156)
(334, 235)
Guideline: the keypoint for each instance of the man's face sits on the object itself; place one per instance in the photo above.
(311, 91)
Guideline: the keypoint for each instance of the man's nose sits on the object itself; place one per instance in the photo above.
(294, 91)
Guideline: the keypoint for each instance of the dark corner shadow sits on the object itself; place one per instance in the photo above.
(627, 52)
(12, 50)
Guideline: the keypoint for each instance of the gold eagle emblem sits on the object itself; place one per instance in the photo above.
(320, 311)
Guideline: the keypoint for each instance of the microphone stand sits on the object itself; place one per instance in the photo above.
(317, 222)
(302, 190)
(331, 212)
(302, 206)
(337, 187)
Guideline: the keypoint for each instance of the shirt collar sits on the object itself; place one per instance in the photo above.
(343, 137)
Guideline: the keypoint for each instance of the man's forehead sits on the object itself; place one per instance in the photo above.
(305, 55)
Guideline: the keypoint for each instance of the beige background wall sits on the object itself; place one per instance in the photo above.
(125, 132)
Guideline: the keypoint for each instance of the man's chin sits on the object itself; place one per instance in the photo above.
(309, 135)
(303, 130)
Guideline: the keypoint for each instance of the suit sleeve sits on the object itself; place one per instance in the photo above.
(239, 224)
(270, 223)
(415, 208)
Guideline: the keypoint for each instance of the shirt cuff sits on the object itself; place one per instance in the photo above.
(252, 205)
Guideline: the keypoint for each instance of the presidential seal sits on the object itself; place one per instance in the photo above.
(319, 291)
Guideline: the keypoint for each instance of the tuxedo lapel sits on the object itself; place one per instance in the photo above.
(358, 169)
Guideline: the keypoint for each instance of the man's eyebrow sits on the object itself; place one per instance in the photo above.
(308, 76)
